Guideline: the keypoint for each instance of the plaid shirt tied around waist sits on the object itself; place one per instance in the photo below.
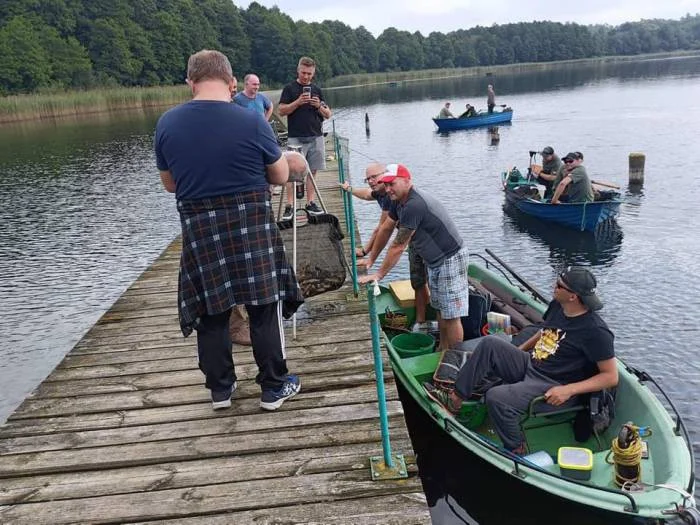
(232, 253)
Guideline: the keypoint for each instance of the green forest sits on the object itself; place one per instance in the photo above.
(49, 45)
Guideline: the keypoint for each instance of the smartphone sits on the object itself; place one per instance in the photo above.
(306, 89)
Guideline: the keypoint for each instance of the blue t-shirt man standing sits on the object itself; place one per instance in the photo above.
(250, 97)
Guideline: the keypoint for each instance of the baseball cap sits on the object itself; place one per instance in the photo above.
(393, 171)
(570, 156)
(548, 150)
(582, 282)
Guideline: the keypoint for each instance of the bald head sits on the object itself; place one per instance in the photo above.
(372, 173)
(297, 163)
(251, 85)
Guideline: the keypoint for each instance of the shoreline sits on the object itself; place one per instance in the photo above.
(39, 107)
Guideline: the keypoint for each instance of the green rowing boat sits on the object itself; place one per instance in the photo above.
(666, 487)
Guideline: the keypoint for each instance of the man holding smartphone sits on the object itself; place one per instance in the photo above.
(303, 105)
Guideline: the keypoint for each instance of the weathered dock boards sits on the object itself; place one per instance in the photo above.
(123, 430)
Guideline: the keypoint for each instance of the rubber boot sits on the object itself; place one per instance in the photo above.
(239, 327)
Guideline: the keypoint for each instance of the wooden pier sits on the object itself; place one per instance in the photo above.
(122, 431)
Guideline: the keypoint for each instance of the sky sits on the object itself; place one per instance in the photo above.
(449, 15)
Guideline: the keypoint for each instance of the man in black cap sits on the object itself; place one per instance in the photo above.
(571, 354)
(574, 181)
(550, 167)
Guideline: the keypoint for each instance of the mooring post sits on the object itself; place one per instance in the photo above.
(636, 167)
(367, 123)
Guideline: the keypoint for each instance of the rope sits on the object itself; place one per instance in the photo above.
(626, 451)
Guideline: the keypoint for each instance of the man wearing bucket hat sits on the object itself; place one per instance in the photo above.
(571, 354)
(424, 223)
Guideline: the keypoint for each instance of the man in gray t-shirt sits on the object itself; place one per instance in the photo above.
(423, 220)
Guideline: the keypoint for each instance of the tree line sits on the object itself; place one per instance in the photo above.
(78, 44)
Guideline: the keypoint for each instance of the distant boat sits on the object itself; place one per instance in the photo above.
(522, 193)
(481, 119)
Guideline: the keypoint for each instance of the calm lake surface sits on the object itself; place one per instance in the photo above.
(83, 213)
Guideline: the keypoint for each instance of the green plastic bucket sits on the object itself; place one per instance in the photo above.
(413, 344)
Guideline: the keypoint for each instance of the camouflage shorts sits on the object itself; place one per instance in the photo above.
(417, 269)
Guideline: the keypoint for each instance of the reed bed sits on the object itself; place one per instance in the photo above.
(51, 105)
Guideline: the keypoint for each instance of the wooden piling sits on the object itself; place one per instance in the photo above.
(636, 168)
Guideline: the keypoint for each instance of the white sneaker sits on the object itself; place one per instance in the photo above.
(421, 327)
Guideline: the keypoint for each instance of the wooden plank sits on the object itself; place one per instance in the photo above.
(296, 363)
(192, 473)
(199, 447)
(138, 329)
(192, 501)
(200, 408)
(45, 407)
(243, 417)
(390, 509)
(240, 355)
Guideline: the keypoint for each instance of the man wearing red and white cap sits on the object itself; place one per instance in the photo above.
(423, 221)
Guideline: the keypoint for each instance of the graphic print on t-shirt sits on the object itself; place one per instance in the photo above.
(548, 343)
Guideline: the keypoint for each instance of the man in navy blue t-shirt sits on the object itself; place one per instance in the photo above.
(219, 159)
(571, 354)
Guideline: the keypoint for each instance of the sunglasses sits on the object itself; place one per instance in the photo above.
(568, 161)
(559, 285)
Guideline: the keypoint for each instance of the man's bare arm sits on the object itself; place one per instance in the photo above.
(560, 189)
(393, 254)
(168, 182)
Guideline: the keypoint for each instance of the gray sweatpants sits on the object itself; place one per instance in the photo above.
(508, 402)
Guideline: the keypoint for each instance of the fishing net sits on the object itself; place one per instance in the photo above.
(320, 258)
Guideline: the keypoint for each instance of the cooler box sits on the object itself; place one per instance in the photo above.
(403, 293)
(575, 462)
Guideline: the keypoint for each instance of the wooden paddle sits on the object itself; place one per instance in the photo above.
(605, 184)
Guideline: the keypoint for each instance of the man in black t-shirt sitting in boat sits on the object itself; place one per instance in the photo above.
(571, 354)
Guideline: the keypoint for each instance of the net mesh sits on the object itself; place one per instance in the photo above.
(320, 258)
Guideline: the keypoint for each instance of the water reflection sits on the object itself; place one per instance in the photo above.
(567, 246)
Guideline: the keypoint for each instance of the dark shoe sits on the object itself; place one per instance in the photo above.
(441, 397)
(313, 208)
(273, 399)
(521, 450)
(221, 400)
(288, 213)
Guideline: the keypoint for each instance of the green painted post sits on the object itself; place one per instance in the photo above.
(379, 371)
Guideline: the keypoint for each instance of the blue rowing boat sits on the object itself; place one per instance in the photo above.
(481, 119)
(523, 194)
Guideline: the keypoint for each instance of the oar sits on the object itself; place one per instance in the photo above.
(522, 281)
(605, 184)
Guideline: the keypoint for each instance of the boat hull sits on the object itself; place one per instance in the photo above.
(584, 216)
(487, 119)
(671, 464)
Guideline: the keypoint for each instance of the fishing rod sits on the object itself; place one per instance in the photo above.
(522, 281)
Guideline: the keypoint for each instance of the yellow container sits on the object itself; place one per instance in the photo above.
(575, 462)
(403, 293)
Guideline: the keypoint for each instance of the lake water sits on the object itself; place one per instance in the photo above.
(82, 214)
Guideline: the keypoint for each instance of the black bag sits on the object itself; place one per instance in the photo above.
(597, 419)
(479, 306)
